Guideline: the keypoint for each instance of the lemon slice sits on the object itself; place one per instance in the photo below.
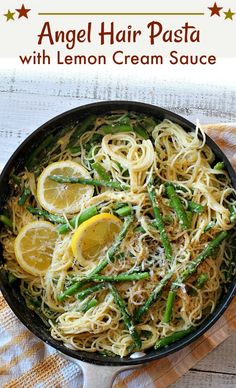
(34, 246)
(63, 197)
(92, 238)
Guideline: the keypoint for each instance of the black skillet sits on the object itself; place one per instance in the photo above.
(98, 371)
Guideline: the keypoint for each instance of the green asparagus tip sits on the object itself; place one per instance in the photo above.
(74, 288)
(90, 290)
(124, 211)
(163, 342)
(159, 223)
(177, 206)
(141, 131)
(210, 225)
(169, 306)
(125, 315)
(219, 166)
(201, 280)
(107, 129)
(16, 179)
(24, 196)
(78, 220)
(101, 171)
(11, 277)
(83, 181)
(87, 306)
(195, 207)
(232, 212)
(45, 214)
(6, 221)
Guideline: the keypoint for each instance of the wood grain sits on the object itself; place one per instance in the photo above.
(217, 370)
(196, 379)
(225, 136)
(221, 359)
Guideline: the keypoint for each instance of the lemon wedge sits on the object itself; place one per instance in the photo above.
(92, 239)
(62, 198)
(34, 247)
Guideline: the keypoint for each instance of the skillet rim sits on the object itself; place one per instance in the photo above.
(94, 358)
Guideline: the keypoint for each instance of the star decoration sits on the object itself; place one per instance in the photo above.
(9, 15)
(23, 12)
(229, 14)
(215, 10)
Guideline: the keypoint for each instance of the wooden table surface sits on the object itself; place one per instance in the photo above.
(28, 98)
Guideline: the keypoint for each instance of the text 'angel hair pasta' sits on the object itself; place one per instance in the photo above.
(141, 220)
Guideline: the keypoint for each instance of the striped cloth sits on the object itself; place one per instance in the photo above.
(26, 362)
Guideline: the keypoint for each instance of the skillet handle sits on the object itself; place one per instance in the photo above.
(97, 376)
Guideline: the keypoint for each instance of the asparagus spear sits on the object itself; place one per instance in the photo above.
(167, 218)
(118, 205)
(75, 150)
(84, 216)
(152, 223)
(199, 283)
(15, 179)
(210, 225)
(192, 266)
(103, 174)
(72, 289)
(116, 128)
(190, 269)
(148, 123)
(87, 306)
(219, 166)
(44, 214)
(33, 157)
(141, 131)
(125, 315)
(78, 220)
(107, 353)
(195, 207)
(117, 117)
(96, 138)
(172, 338)
(112, 250)
(232, 211)
(84, 181)
(190, 217)
(110, 258)
(201, 280)
(90, 290)
(152, 297)
(11, 277)
(6, 221)
(177, 206)
(139, 229)
(159, 224)
(80, 129)
(113, 278)
(24, 196)
(169, 306)
(122, 277)
(180, 187)
(124, 211)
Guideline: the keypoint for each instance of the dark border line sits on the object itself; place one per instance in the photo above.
(121, 14)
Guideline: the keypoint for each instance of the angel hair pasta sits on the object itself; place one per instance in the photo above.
(120, 232)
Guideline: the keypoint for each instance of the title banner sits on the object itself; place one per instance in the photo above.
(118, 33)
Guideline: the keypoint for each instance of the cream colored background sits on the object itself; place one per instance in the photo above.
(20, 36)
